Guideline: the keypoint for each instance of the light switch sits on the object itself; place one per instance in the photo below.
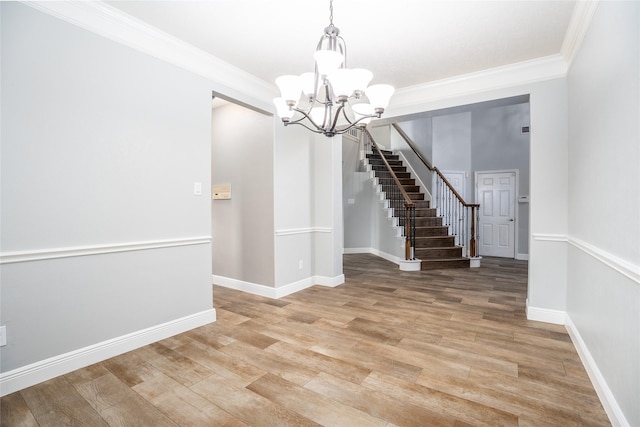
(197, 189)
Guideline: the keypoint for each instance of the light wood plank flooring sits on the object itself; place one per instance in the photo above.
(387, 348)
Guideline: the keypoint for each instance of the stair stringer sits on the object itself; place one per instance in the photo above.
(414, 175)
(397, 255)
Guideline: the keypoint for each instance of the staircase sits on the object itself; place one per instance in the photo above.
(434, 246)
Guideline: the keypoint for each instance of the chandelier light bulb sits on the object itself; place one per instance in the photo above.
(289, 89)
(308, 83)
(328, 61)
(361, 78)
(342, 83)
(379, 96)
(283, 110)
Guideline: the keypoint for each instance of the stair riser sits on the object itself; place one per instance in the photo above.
(431, 231)
(380, 162)
(428, 221)
(383, 168)
(411, 188)
(422, 212)
(435, 253)
(403, 181)
(435, 242)
(387, 157)
(439, 265)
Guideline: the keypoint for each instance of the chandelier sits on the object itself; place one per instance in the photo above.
(333, 99)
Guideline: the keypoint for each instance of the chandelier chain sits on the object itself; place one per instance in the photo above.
(331, 13)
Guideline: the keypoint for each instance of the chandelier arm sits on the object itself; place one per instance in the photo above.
(343, 51)
(335, 120)
(306, 116)
(297, 122)
(355, 123)
(344, 114)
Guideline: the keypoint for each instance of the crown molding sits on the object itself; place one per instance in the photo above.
(110, 22)
(526, 72)
(107, 21)
(578, 26)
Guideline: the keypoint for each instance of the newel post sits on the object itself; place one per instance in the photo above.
(473, 251)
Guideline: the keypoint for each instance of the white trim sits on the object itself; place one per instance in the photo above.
(427, 194)
(280, 291)
(357, 250)
(75, 251)
(522, 257)
(526, 72)
(546, 315)
(331, 282)
(550, 237)
(304, 230)
(392, 258)
(614, 262)
(114, 24)
(43, 370)
(611, 407)
(410, 264)
(621, 266)
(578, 26)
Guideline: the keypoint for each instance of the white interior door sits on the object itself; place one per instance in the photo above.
(496, 193)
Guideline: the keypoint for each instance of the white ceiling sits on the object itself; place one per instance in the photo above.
(403, 42)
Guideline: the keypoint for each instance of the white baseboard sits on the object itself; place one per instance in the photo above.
(557, 317)
(392, 258)
(522, 257)
(357, 250)
(331, 282)
(280, 291)
(52, 367)
(611, 407)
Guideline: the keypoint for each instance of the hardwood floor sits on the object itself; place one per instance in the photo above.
(387, 348)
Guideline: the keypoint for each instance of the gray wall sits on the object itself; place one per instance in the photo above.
(308, 208)
(498, 144)
(242, 228)
(357, 193)
(603, 298)
(367, 227)
(101, 146)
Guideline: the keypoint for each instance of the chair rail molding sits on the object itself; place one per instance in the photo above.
(75, 251)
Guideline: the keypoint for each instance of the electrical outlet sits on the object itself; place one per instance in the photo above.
(300, 264)
(3, 335)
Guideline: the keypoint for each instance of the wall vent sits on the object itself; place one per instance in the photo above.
(524, 129)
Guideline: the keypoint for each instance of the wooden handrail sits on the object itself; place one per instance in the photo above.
(410, 143)
(429, 166)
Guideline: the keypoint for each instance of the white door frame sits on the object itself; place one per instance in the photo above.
(515, 201)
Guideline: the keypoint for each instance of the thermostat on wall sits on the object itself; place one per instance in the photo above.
(221, 192)
(523, 199)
